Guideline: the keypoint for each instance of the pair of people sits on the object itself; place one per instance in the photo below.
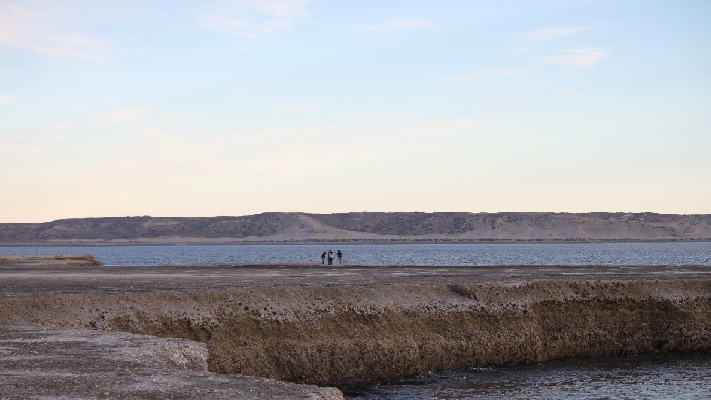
(329, 256)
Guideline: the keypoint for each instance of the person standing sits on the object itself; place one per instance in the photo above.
(330, 257)
(340, 256)
(323, 257)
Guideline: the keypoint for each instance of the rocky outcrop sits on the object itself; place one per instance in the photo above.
(367, 226)
(41, 363)
(355, 334)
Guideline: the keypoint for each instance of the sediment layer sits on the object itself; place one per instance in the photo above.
(53, 260)
(345, 334)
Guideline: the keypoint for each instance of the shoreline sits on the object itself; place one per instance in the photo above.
(345, 326)
(218, 242)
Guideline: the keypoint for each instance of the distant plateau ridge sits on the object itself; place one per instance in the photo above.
(367, 227)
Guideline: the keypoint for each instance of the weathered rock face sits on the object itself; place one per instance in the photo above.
(346, 335)
(367, 226)
(40, 363)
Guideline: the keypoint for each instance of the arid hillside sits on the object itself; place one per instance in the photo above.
(366, 226)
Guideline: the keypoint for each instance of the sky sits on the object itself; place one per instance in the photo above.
(188, 108)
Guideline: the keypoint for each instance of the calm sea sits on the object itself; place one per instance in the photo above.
(674, 253)
(669, 376)
(651, 377)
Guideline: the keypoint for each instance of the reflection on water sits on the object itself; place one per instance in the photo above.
(666, 376)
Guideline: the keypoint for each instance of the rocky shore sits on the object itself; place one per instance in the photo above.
(302, 329)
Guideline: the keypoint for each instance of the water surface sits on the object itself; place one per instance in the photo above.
(653, 377)
(670, 253)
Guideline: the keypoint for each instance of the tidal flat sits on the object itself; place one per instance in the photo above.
(310, 331)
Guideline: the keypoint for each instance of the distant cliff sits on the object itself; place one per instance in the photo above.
(367, 226)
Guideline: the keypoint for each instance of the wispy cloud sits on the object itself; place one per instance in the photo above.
(254, 18)
(298, 108)
(586, 57)
(15, 147)
(53, 136)
(506, 75)
(53, 132)
(570, 97)
(124, 115)
(64, 126)
(399, 24)
(34, 29)
(553, 33)
(4, 99)
(456, 78)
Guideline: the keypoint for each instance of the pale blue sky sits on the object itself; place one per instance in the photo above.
(233, 107)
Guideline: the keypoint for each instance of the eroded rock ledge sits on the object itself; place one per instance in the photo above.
(345, 334)
(39, 363)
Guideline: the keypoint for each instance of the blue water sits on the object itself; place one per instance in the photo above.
(673, 253)
(653, 377)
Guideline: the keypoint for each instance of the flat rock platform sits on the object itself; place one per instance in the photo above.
(297, 330)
